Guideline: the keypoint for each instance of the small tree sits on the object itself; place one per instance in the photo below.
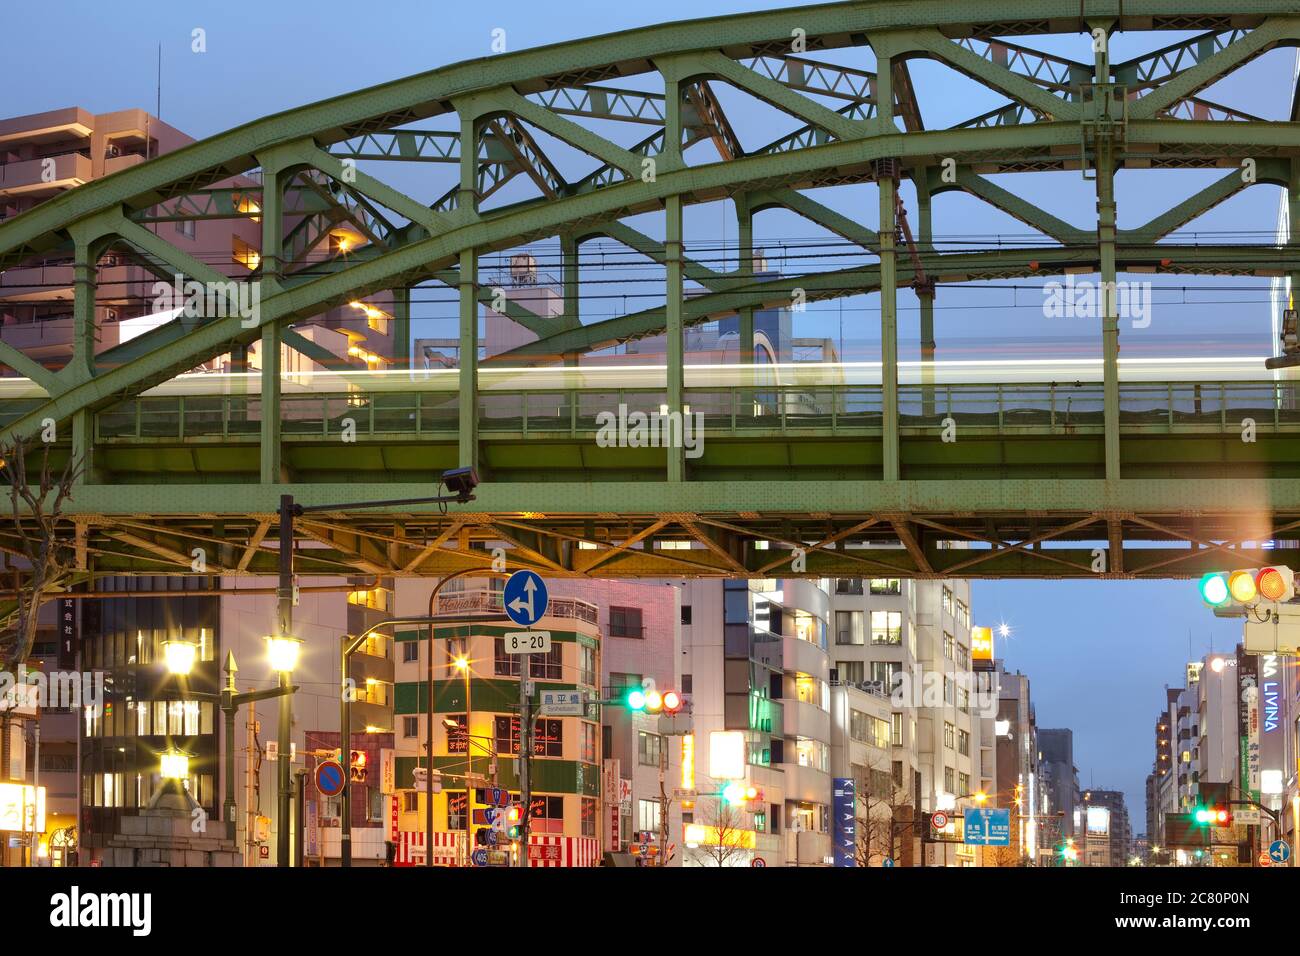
(883, 823)
(728, 824)
(47, 557)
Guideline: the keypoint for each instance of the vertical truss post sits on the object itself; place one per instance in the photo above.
(888, 323)
(271, 460)
(467, 194)
(745, 269)
(467, 205)
(672, 157)
(402, 326)
(887, 180)
(468, 428)
(926, 293)
(84, 277)
(271, 264)
(1106, 145)
(1293, 235)
(569, 266)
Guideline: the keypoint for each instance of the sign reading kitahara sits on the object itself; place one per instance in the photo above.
(844, 806)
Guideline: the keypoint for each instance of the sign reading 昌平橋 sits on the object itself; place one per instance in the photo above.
(844, 806)
(987, 826)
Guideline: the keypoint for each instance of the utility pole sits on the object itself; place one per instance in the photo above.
(663, 800)
(250, 811)
(525, 756)
(284, 593)
(36, 788)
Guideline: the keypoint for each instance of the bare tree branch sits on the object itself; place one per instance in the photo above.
(48, 556)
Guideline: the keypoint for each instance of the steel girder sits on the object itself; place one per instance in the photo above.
(1060, 114)
(1018, 528)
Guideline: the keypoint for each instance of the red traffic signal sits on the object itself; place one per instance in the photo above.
(357, 765)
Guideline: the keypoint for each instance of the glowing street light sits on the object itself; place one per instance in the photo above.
(175, 765)
(283, 652)
(180, 655)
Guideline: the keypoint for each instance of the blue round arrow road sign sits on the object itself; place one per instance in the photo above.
(330, 778)
(525, 598)
(1279, 851)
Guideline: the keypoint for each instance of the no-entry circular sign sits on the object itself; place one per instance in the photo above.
(329, 778)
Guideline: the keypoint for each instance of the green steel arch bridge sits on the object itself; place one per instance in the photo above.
(846, 464)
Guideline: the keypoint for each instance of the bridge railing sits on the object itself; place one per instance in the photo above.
(731, 410)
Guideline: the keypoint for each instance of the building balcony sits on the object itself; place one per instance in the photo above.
(28, 177)
(806, 784)
(362, 667)
(485, 601)
(806, 720)
(804, 657)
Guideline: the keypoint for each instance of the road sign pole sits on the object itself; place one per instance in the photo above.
(525, 756)
(345, 754)
(284, 594)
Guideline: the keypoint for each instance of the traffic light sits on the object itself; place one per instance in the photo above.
(1213, 816)
(652, 701)
(1276, 584)
(737, 794)
(1214, 589)
(357, 766)
(1248, 586)
(514, 819)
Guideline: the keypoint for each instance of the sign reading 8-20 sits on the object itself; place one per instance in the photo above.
(527, 642)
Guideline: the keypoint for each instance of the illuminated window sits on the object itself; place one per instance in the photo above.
(886, 586)
(244, 254)
(886, 627)
(648, 747)
(848, 627)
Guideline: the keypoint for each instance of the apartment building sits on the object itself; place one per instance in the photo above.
(1017, 764)
(474, 703)
(912, 641)
(45, 154)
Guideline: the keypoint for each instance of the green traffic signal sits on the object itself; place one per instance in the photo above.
(1214, 589)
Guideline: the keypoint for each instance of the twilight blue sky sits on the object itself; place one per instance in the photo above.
(1098, 653)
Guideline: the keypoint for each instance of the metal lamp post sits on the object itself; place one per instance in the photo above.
(460, 482)
(180, 655)
(283, 650)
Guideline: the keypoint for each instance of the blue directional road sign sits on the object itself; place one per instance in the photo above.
(1279, 851)
(525, 598)
(887, 862)
(987, 827)
(479, 857)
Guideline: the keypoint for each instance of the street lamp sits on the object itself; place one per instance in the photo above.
(175, 765)
(283, 651)
(461, 663)
(180, 655)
